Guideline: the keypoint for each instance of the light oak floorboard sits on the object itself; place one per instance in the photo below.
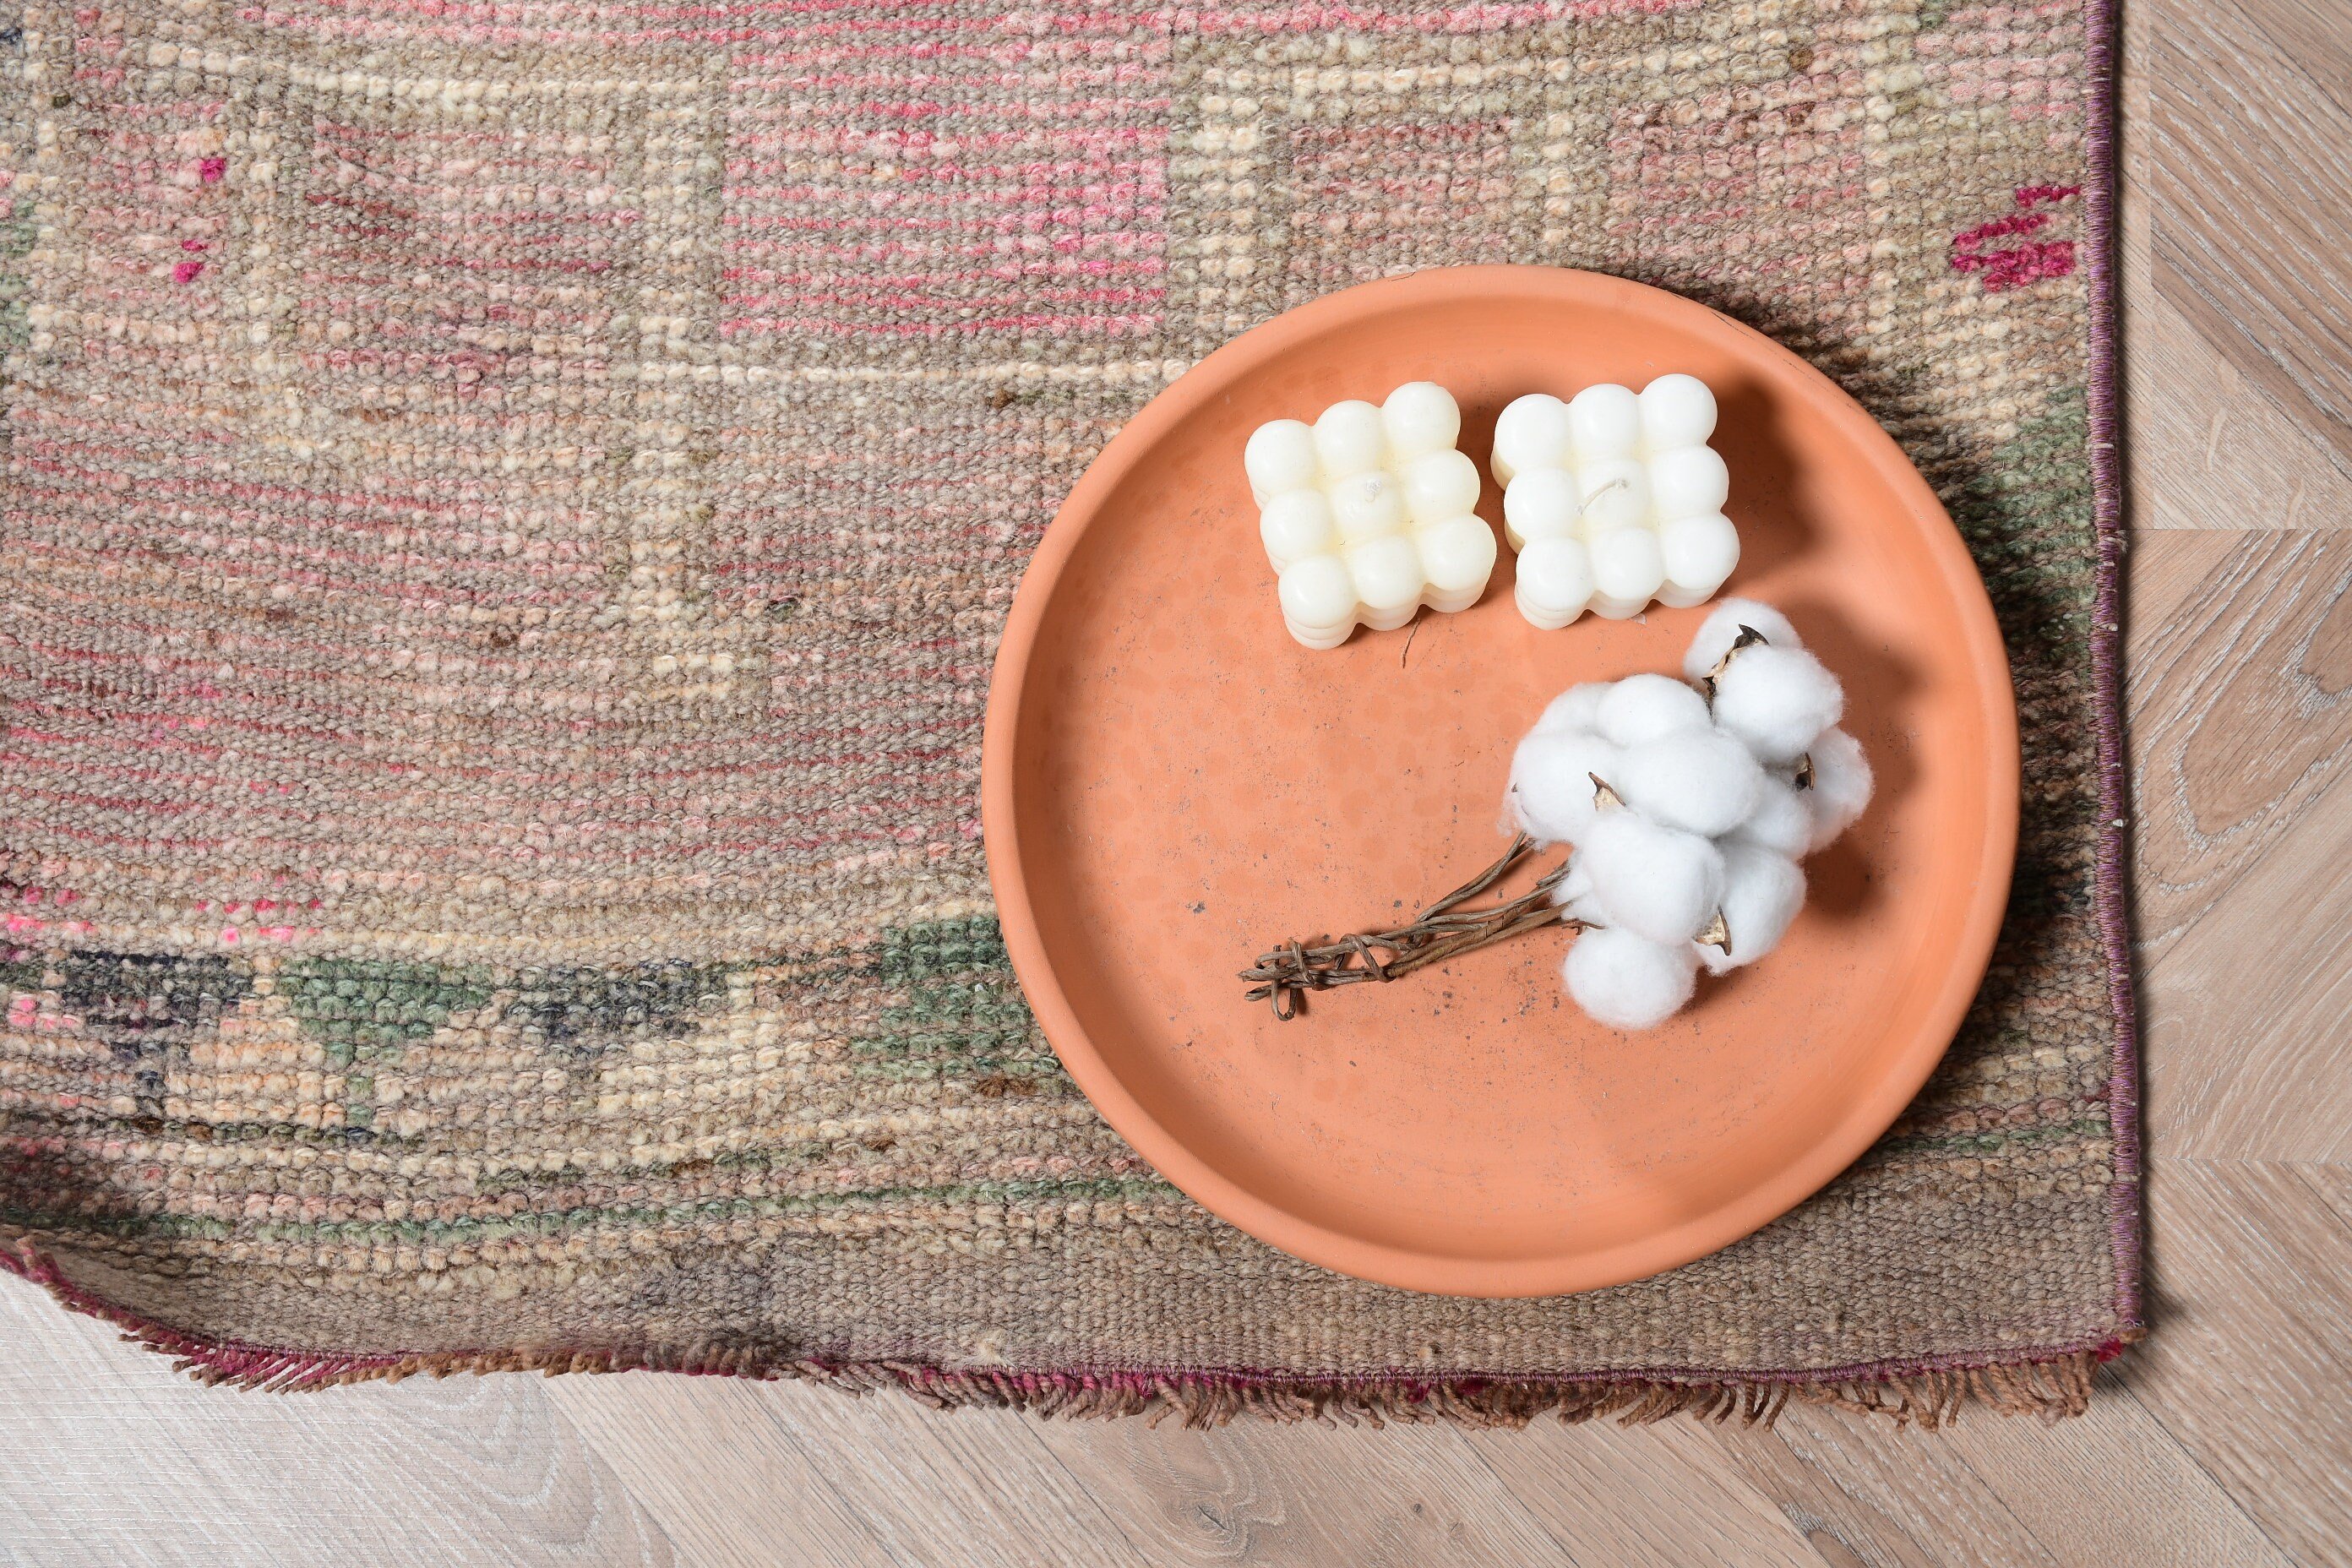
(2252, 150)
(1254, 1493)
(726, 1481)
(2242, 692)
(109, 1457)
(2253, 1353)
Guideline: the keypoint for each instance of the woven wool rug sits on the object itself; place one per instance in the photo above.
(508, 511)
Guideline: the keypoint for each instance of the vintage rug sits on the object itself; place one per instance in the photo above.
(508, 509)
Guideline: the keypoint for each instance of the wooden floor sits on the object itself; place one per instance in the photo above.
(2227, 1439)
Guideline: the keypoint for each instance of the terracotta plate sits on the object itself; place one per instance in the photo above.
(1170, 784)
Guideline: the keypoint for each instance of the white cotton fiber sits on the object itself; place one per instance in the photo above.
(1627, 982)
(1656, 882)
(1551, 794)
(1703, 819)
(1721, 628)
(1641, 708)
(1578, 708)
(1573, 894)
(1582, 909)
(1780, 821)
(1777, 700)
(1701, 780)
(1762, 892)
(1840, 787)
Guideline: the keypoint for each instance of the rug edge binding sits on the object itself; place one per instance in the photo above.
(2049, 1382)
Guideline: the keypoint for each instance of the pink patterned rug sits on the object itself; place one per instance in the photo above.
(509, 508)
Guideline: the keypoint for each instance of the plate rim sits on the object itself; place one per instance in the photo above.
(1865, 1121)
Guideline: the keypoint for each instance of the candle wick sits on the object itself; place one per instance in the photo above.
(1586, 504)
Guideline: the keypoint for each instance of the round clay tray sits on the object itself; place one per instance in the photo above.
(1172, 785)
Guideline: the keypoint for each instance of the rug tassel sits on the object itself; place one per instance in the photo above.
(2050, 1385)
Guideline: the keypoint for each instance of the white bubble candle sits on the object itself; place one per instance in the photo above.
(1366, 514)
(1614, 499)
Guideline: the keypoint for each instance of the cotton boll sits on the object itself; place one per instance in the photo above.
(1656, 882)
(1762, 892)
(1532, 433)
(1699, 554)
(1296, 525)
(1573, 895)
(1627, 982)
(1551, 794)
(1578, 708)
(1541, 503)
(1676, 411)
(1348, 440)
(1690, 481)
(1279, 457)
(1581, 908)
(1368, 506)
(1780, 820)
(1840, 788)
(1573, 892)
(1554, 581)
(1627, 572)
(1721, 629)
(1420, 417)
(1317, 593)
(1578, 906)
(1644, 708)
(1440, 485)
(1457, 554)
(1604, 421)
(1615, 494)
(1777, 700)
(1701, 780)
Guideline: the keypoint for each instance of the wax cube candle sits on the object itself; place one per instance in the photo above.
(1366, 514)
(1614, 499)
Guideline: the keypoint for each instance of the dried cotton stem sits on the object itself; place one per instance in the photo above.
(1282, 975)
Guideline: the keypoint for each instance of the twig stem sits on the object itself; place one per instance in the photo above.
(1282, 975)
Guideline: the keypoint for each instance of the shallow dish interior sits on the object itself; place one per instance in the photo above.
(1171, 784)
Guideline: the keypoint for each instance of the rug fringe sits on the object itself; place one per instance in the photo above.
(2047, 1383)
